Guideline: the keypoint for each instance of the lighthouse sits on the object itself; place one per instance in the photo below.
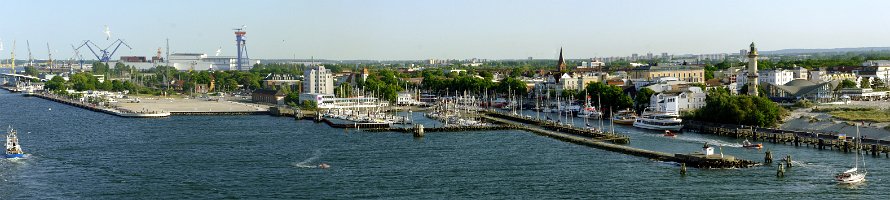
(752, 71)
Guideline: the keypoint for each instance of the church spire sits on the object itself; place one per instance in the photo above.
(561, 64)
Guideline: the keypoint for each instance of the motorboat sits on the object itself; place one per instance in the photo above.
(659, 121)
(853, 175)
(13, 148)
(668, 133)
(324, 166)
(747, 144)
(624, 117)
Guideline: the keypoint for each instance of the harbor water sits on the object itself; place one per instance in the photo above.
(80, 154)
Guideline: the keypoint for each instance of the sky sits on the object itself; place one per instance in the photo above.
(442, 29)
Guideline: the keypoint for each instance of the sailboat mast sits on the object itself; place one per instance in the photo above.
(599, 104)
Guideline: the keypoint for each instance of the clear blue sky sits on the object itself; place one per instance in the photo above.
(457, 29)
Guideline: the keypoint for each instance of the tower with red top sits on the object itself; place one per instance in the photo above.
(241, 44)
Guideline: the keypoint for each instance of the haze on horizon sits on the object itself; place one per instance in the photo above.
(415, 30)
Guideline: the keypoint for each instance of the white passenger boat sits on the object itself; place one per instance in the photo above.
(659, 121)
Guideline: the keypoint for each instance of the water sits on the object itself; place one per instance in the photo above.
(78, 154)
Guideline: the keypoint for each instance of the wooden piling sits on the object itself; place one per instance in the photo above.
(683, 169)
(769, 157)
(780, 171)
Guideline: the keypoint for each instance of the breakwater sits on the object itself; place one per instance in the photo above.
(443, 129)
(98, 108)
(795, 138)
(612, 142)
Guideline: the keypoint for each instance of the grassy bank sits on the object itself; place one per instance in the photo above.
(863, 115)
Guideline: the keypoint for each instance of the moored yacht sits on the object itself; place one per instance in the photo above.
(853, 175)
(625, 117)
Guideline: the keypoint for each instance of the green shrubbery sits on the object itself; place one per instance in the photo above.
(740, 109)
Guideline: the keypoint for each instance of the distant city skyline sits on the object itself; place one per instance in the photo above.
(419, 30)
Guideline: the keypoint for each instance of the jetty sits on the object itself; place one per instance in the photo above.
(614, 142)
(821, 141)
(102, 109)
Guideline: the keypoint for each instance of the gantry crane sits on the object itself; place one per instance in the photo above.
(105, 54)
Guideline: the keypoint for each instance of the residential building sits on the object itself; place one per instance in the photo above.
(275, 97)
(776, 77)
(318, 80)
(693, 74)
(674, 101)
(879, 68)
(282, 80)
(800, 73)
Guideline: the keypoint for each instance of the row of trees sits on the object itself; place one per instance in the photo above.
(86, 81)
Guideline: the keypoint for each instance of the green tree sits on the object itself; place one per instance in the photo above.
(105, 85)
(32, 71)
(82, 81)
(117, 85)
(56, 83)
(610, 96)
(100, 68)
(865, 83)
(709, 72)
(740, 109)
(643, 98)
(846, 83)
(512, 85)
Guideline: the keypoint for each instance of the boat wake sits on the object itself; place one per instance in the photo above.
(306, 163)
(709, 141)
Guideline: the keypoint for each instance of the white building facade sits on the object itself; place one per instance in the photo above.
(674, 102)
(318, 80)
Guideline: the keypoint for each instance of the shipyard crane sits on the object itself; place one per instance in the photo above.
(49, 56)
(12, 57)
(104, 55)
(78, 56)
(30, 58)
(241, 44)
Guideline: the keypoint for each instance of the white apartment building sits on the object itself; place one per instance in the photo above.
(775, 77)
(318, 80)
(678, 100)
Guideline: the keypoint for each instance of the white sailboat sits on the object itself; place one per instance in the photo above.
(589, 111)
(853, 175)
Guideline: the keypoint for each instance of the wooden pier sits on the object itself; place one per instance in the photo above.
(795, 138)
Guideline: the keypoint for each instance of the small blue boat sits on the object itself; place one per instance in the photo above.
(13, 148)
